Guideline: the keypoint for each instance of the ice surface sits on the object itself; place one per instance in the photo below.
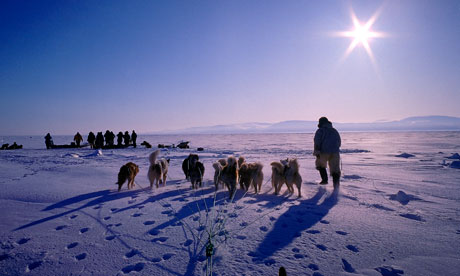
(62, 214)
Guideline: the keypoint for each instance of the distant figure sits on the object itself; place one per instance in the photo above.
(119, 138)
(126, 138)
(133, 138)
(326, 149)
(107, 137)
(99, 140)
(91, 139)
(48, 141)
(78, 139)
(112, 139)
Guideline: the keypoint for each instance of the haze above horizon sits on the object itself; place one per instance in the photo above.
(155, 65)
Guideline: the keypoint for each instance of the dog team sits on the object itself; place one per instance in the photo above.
(230, 172)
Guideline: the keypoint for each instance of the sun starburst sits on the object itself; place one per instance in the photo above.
(362, 34)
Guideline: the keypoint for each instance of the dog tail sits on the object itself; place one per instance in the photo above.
(293, 163)
(241, 161)
(259, 167)
(124, 171)
(153, 156)
(217, 166)
(277, 166)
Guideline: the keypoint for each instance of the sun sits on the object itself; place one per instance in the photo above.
(361, 34)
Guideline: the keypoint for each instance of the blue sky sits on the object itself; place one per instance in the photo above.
(68, 66)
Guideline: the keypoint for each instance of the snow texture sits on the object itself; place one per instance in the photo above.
(62, 214)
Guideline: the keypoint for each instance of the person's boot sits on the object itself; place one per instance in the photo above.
(323, 173)
(336, 180)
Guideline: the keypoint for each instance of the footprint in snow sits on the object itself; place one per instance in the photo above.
(141, 207)
(73, 216)
(168, 212)
(272, 218)
(341, 233)
(132, 253)
(313, 267)
(33, 266)
(412, 216)
(244, 224)
(154, 232)
(109, 238)
(84, 230)
(299, 256)
(389, 271)
(263, 228)
(352, 248)
(81, 256)
(72, 245)
(168, 256)
(313, 231)
(23, 241)
(324, 221)
(458, 232)
(241, 237)
(130, 268)
(97, 207)
(347, 266)
(160, 239)
(113, 210)
(321, 247)
(167, 205)
(233, 215)
(188, 242)
(136, 215)
(60, 227)
(156, 260)
(295, 250)
(149, 222)
(107, 218)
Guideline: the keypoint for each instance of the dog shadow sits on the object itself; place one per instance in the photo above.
(293, 222)
(98, 198)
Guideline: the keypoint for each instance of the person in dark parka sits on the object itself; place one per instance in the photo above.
(48, 141)
(91, 138)
(78, 139)
(134, 138)
(327, 144)
(126, 138)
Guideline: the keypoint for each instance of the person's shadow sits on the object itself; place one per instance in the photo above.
(293, 222)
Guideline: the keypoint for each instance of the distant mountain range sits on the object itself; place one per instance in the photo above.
(425, 123)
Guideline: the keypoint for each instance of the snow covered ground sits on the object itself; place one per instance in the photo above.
(397, 211)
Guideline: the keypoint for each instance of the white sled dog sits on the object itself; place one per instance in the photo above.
(286, 171)
(158, 169)
(227, 174)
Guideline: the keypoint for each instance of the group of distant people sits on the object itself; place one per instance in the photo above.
(100, 140)
(108, 139)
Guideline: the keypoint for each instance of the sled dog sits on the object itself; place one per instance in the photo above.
(127, 172)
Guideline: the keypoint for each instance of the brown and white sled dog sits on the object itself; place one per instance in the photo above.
(218, 170)
(251, 173)
(127, 172)
(286, 171)
(158, 169)
(227, 174)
